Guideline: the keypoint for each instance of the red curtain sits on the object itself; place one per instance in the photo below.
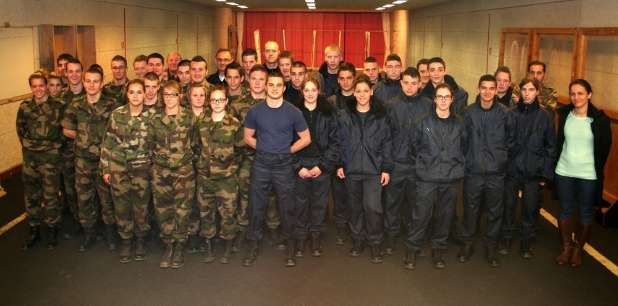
(329, 28)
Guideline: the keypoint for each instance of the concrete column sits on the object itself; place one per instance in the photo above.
(399, 33)
(224, 17)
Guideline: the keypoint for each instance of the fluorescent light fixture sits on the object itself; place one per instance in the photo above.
(231, 3)
(243, 7)
(310, 1)
(400, 1)
(384, 6)
(220, 0)
(380, 9)
(311, 7)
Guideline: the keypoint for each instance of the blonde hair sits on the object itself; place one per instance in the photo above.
(332, 48)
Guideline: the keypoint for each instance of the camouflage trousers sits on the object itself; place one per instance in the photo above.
(130, 184)
(272, 211)
(68, 179)
(173, 191)
(90, 188)
(41, 179)
(217, 194)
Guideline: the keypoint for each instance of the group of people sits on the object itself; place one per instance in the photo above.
(257, 147)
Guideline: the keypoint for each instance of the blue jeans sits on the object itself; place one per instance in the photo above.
(575, 193)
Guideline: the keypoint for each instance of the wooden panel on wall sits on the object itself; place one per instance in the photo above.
(610, 187)
(86, 49)
(65, 40)
(46, 46)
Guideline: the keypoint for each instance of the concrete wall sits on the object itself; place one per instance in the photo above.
(467, 35)
(151, 26)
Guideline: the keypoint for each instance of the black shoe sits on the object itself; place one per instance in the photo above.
(275, 238)
(52, 237)
(110, 237)
(290, 261)
(376, 254)
(71, 229)
(410, 259)
(239, 241)
(300, 248)
(341, 236)
(166, 257)
(227, 253)
(438, 261)
(389, 244)
(316, 247)
(526, 250)
(178, 259)
(125, 250)
(34, 236)
(504, 247)
(465, 253)
(140, 249)
(88, 239)
(209, 253)
(357, 248)
(492, 257)
(195, 244)
(252, 253)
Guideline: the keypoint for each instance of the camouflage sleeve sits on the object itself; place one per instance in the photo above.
(106, 146)
(552, 99)
(69, 119)
(21, 123)
(239, 144)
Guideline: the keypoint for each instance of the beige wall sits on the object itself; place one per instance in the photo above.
(151, 26)
(467, 33)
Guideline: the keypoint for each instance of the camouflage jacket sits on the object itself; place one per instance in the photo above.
(244, 92)
(172, 138)
(219, 145)
(157, 106)
(125, 139)
(90, 122)
(38, 125)
(239, 110)
(117, 91)
(548, 97)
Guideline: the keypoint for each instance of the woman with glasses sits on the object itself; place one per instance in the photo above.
(439, 139)
(172, 139)
(531, 165)
(584, 142)
(125, 165)
(365, 151)
(220, 144)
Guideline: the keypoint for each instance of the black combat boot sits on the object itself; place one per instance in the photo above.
(357, 248)
(140, 249)
(376, 254)
(239, 241)
(52, 237)
(252, 253)
(195, 246)
(88, 240)
(290, 261)
(438, 261)
(34, 235)
(166, 257)
(410, 259)
(110, 237)
(465, 252)
(209, 252)
(316, 245)
(125, 250)
(526, 250)
(227, 251)
(504, 246)
(389, 244)
(178, 259)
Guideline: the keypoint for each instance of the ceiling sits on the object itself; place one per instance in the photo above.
(356, 5)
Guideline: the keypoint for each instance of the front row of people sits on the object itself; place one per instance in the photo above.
(182, 157)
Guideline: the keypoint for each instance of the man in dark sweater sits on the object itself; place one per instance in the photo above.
(437, 76)
(389, 87)
(330, 67)
(504, 89)
(293, 91)
(223, 58)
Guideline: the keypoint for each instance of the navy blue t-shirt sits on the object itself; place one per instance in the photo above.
(275, 128)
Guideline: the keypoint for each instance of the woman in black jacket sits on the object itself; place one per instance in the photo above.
(316, 164)
(365, 139)
(584, 142)
(531, 165)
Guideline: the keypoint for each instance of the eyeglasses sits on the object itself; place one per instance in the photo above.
(173, 94)
(443, 98)
(218, 101)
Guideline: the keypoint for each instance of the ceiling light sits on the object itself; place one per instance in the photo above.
(231, 3)
(380, 9)
(384, 6)
(310, 1)
(400, 1)
(243, 7)
(220, 0)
